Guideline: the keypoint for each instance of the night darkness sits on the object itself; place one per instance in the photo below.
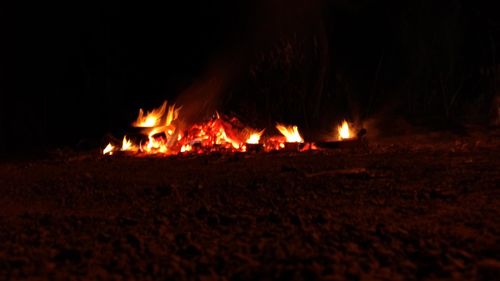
(76, 71)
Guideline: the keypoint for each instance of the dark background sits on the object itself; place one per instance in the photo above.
(74, 71)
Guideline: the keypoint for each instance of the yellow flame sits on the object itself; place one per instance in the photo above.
(186, 148)
(254, 137)
(343, 131)
(221, 138)
(154, 125)
(172, 114)
(109, 149)
(127, 145)
(155, 145)
(291, 133)
(152, 119)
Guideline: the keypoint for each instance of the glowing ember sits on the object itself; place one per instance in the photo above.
(291, 133)
(254, 138)
(344, 131)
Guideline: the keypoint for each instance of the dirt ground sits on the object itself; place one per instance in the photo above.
(425, 207)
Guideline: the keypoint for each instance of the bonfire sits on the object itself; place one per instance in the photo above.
(163, 133)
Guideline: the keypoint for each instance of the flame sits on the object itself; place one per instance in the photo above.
(220, 133)
(127, 145)
(155, 145)
(152, 119)
(254, 137)
(186, 148)
(109, 149)
(152, 122)
(344, 132)
(291, 133)
(173, 114)
(221, 138)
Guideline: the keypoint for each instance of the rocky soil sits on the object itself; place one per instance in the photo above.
(416, 208)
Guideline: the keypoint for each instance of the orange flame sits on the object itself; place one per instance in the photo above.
(254, 137)
(109, 149)
(127, 145)
(186, 148)
(221, 138)
(291, 133)
(173, 114)
(152, 119)
(220, 133)
(344, 132)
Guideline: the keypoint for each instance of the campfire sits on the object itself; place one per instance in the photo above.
(161, 131)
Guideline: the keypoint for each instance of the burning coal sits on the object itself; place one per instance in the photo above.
(161, 131)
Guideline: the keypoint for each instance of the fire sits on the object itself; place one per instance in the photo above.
(155, 145)
(160, 129)
(164, 133)
(173, 113)
(291, 133)
(186, 148)
(126, 144)
(254, 137)
(344, 132)
(109, 149)
(152, 119)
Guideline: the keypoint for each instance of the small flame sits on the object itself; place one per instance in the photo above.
(155, 145)
(152, 119)
(109, 149)
(186, 148)
(127, 145)
(222, 137)
(291, 133)
(158, 121)
(254, 137)
(344, 131)
(172, 114)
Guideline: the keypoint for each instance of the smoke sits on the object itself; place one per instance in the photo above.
(288, 31)
(204, 95)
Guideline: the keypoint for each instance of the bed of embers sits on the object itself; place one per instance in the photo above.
(415, 207)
